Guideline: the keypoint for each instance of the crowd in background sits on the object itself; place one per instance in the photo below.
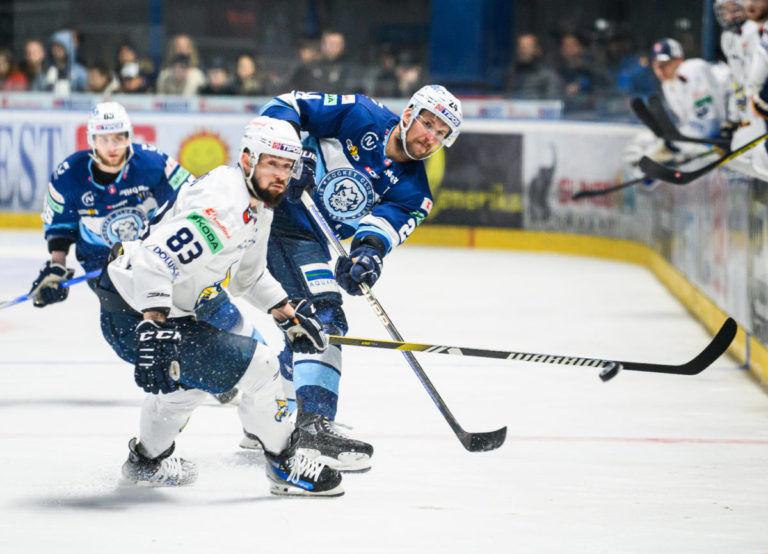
(53, 65)
(579, 68)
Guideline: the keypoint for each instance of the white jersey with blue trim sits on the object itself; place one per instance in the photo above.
(696, 98)
(210, 240)
(360, 191)
(95, 216)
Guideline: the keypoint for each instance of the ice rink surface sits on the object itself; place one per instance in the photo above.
(644, 463)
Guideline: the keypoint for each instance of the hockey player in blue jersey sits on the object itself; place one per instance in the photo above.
(108, 194)
(364, 167)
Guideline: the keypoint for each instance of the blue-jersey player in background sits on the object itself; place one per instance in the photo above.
(105, 195)
(364, 166)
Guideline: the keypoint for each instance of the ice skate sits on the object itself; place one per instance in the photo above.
(320, 439)
(250, 441)
(291, 473)
(163, 471)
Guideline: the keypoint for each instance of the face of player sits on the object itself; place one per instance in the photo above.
(665, 70)
(733, 11)
(112, 151)
(757, 10)
(426, 134)
(270, 177)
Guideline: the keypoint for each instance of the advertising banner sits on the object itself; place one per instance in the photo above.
(33, 144)
(558, 161)
(478, 182)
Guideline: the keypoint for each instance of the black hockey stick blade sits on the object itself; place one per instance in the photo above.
(483, 442)
(716, 348)
(669, 130)
(704, 359)
(643, 114)
(677, 177)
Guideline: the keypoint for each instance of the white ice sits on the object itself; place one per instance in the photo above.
(644, 463)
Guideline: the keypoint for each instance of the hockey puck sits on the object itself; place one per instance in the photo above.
(610, 371)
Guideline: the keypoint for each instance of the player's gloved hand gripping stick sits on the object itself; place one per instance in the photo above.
(474, 442)
(63, 284)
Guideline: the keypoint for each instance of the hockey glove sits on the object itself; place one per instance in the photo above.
(303, 331)
(363, 265)
(759, 101)
(47, 287)
(302, 177)
(157, 355)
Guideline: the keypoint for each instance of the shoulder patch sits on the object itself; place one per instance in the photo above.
(330, 99)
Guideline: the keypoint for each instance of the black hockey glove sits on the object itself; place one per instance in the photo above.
(47, 287)
(302, 177)
(363, 265)
(303, 331)
(157, 355)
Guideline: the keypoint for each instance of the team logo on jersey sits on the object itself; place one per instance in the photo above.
(209, 293)
(123, 225)
(346, 194)
(87, 198)
(353, 151)
(282, 409)
(369, 140)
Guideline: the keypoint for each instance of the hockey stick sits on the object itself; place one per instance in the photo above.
(656, 118)
(589, 193)
(64, 285)
(657, 109)
(717, 346)
(675, 177)
(474, 442)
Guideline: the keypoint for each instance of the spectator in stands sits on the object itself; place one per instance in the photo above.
(249, 77)
(332, 72)
(308, 72)
(127, 54)
(132, 80)
(181, 73)
(582, 79)
(34, 65)
(410, 74)
(65, 74)
(180, 77)
(530, 78)
(382, 80)
(218, 79)
(10, 76)
(101, 79)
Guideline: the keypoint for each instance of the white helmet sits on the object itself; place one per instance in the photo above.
(437, 100)
(266, 135)
(107, 118)
(730, 14)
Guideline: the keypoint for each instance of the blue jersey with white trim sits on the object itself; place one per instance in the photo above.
(359, 190)
(96, 216)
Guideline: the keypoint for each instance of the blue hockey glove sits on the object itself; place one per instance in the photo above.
(363, 265)
(303, 331)
(47, 287)
(157, 355)
(302, 177)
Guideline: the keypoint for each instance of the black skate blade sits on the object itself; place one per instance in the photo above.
(483, 442)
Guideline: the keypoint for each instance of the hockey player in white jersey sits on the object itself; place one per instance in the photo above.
(742, 22)
(757, 93)
(691, 90)
(214, 236)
